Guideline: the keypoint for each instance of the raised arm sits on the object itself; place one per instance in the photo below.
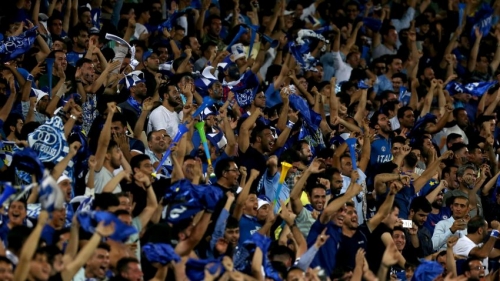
(104, 138)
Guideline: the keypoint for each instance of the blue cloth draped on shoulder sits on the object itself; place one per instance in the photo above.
(14, 46)
(160, 252)
(243, 256)
(195, 268)
(90, 220)
(427, 271)
(172, 20)
(476, 89)
(187, 199)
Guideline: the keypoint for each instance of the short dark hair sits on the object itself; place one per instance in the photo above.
(222, 165)
(122, 264)
(209, 19)
(11, 121)
(135, 162)
(466, 266)
(119, 117)
(402, 110)
(398, 139)
(475, 224)
(105, 200)
(82, 61)
(232, 223)
(77, 29)
(452, 137)
(420, 203)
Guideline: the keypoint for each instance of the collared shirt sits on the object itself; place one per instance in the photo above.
(442, 232)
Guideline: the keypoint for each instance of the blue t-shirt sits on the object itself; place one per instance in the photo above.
(48, 234)
(433, 219)
(381, 151)
(248, 226)
(326, 256)
(403, 198)
(72, 57)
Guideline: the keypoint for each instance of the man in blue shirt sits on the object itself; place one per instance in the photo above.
(332, 218)
(80, 39)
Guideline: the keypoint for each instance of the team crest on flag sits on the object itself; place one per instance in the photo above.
(49, 141)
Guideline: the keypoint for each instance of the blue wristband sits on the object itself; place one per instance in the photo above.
(495, 233)
(290, 124)
(328, 192)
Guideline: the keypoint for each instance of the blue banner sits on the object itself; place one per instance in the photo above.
(14, 46)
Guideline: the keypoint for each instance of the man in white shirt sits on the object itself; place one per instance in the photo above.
(472, 245)
(454, 226)
(165, 117)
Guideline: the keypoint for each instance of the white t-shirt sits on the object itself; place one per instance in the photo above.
(163, 119)
(101, 178)
(464, 246)
(140, 29)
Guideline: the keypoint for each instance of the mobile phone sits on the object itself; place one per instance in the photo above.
(407, 224)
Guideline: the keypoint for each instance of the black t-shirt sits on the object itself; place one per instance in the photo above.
(346, 255)
(253, 159)
(376, 247)
(56, 277)
(141, 196)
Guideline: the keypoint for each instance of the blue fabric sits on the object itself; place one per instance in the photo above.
(312, 118)
(171, 21)
(27, 160)
(381, 151)
(8, 191)
(403, 198)
(428, 187)
(248, 226)
(326, 257)
(433, 219)
(483, 20)
(419, 127)
(372, 23)
(427, 271)
(268, 186)
(187, 199)
(272, 96)
(195, 268)
(478, 89)
(90, 220)
(160, 253)
(72, 57)
(14, 46)
(246, 89)
(48, 234)
(383, 84)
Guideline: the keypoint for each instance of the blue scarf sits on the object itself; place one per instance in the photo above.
(134, 104)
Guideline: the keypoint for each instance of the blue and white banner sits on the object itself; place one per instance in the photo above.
(49, 142)
(14, 46)
(6, 152)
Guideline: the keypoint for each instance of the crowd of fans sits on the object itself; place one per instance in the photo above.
(249, 140)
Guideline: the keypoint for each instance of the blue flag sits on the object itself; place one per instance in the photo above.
(478, 89)
(187, 199)
(6, 152)
(455, 88)
(195, 268)
(27, 160)
(312, 118)
(14, 46)
(51, 196)
(50, 143)
(484, 21)
(90, 220)
(160, 253)
(171, 21)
